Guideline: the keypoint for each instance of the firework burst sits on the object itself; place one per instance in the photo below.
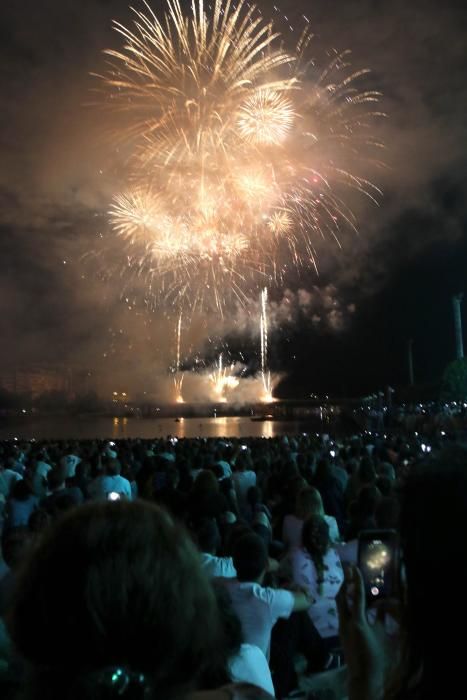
(222, 380)
(241, 153)
(178, 374)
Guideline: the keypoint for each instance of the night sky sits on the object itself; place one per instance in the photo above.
(344, 332)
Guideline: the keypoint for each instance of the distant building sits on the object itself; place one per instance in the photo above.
(37, 380)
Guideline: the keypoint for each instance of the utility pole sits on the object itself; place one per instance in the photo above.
(456, 307)
(410, 360)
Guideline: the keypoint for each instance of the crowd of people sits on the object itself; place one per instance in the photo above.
(226, 568)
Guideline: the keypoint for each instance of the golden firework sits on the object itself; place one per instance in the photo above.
(231, 137)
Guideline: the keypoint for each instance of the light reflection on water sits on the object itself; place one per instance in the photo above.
(85, 428)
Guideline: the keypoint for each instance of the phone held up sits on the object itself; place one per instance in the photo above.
(378, 561)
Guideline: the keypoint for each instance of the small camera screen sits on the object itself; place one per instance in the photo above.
(377, 566)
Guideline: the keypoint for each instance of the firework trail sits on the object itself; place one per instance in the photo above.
(241, 154)
(223, 380)
(265, 373)
(178, 375)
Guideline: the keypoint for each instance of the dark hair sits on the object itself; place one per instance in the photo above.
(114, 584)
(387, 513)
(205, 482)
(309, 502)
(21, 490)
(366, 471)
(250, 557)
(432, 531)
(316, 540)
(208, 535)
(113, 467)
(15, 543)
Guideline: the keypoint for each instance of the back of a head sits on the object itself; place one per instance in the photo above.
(206, 482)
(113, 467)
(433, 531)
(367, 500)
(366, 471)
(315, 536)
(309, 502)
(323, 470)
(387, 513)
(15, 544)
(250, 557)
(119, 585)
(208, 536)
(21, 490)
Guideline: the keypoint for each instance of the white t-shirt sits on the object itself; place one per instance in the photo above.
(103, 485)
(218, 567)
(42, 468)
(250, 666)
(258, 610)
(323, 611)
(70, 462)
(292, 530)
(242, 482)
(8, 477)
(225, 466)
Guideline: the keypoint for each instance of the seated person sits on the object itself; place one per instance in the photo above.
(258, 608)
(209, 540)
(110, 483)
(309, 502)
(316, 567)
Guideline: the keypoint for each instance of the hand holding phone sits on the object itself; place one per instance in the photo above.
(378, 561)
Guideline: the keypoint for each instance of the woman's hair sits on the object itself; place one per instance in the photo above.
(309, 502)
(114, 585)
(316, 540)
(206, 482)
(433, 534)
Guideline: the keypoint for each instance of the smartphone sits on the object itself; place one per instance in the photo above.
(378, 561)
(113, 496)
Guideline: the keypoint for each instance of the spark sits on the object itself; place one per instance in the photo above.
(178, 374)
(265, 373)
(222, 380)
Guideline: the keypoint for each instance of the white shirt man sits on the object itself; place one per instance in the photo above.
(258, 608)
(70, 462)
(42, 468)
(103, 486)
